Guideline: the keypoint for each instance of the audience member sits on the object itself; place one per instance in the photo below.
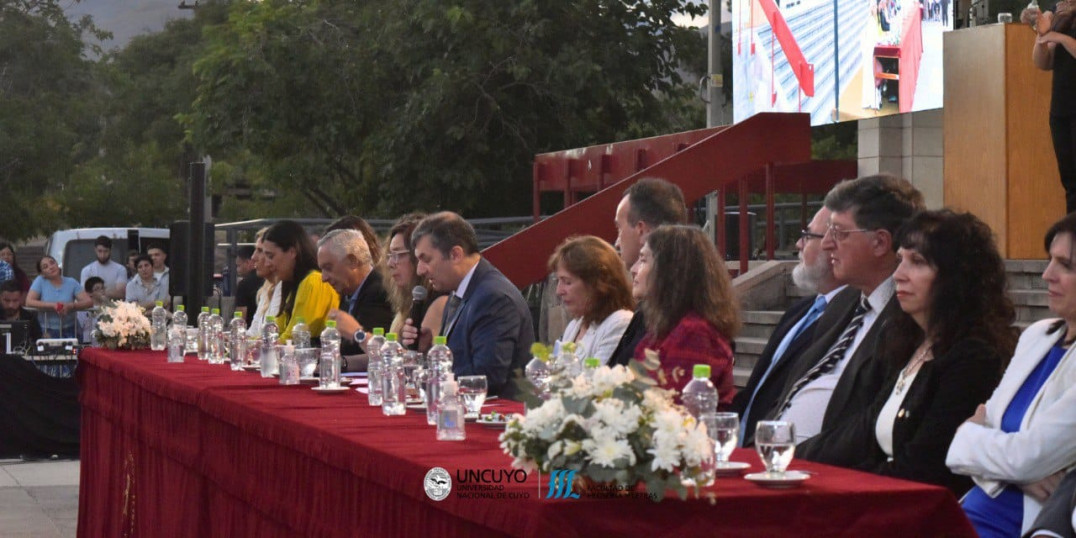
(691, 313)
(794, 332)
(269, 294)
(87, 319)
(56, 297)
(840, 375)
(132, 255)
(6, 272)
(486, 319)
(346, 264)
(946, 347)
(1017, 445)
(1058, 516)
(160, 270)
(595, 291)
(289, 250)
(402, 266)
(11, 299)
(145, 289)
(647, 204)
(113, 274)
(7, 254)
(351, 222)
(246, 291)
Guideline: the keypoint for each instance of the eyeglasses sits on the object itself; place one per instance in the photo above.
(395, 255)
(807, 235)
(840, 235)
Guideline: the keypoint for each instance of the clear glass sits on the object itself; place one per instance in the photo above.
(289, 365)
(192, 339)
(420, 378)
(412, 361)
(724, 429)
(177, 344)
(538, 373)
(308, 360)
(473, 392)
(775, 441)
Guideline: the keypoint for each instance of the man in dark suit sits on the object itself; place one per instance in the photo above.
(647, 204)
(833, 383)
(1056, 518)
(486, 320)
(794, 332)
(345, 263)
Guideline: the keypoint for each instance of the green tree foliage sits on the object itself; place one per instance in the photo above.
(385, 107)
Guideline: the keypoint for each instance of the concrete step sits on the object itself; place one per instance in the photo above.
(760, 323)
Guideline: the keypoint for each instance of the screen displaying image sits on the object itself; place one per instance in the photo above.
(882, 57)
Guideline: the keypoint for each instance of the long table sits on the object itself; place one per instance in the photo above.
(199, 450)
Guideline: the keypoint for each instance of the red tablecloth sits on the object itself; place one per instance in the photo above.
(198, 450)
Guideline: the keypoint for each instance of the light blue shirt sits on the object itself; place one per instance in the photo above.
(66, 293)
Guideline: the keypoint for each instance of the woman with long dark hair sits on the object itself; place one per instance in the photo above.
(946, 349)
(56, 297)
(290, 252)
(402, 267)
(7, 254)
(690, 311)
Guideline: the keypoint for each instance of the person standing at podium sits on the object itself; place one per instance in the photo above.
(1055, 50)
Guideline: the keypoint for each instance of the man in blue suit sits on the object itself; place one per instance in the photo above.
(486, 320)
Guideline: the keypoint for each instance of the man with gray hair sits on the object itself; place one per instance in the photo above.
(346, 264)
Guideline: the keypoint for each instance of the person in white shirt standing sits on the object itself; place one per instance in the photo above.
(113, 274)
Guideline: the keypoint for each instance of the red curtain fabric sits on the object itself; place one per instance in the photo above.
(198, 450)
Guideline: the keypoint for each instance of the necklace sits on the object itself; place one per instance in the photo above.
(916, 361)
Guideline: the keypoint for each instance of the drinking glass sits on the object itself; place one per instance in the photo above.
(412, 361)
(538, 373)
(775, 441)
(421, 377)
(192, 339)
(473, 390)
(308, 360)
(724, 429)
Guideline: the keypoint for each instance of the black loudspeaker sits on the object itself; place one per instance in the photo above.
(179, 259)
(132, 244)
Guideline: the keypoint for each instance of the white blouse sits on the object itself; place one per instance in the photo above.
(600, 340)
(266, 304)
(883, 428)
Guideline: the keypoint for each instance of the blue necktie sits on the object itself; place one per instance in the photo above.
(812, 314)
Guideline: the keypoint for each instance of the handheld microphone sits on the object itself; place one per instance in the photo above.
(418, 306)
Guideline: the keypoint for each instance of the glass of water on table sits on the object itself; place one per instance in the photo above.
(473, 391)
(724, 429)
(775, 441)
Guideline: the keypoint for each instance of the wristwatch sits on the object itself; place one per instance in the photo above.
(359, 336)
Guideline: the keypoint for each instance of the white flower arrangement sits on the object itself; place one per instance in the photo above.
(122, 325)
(613, 427)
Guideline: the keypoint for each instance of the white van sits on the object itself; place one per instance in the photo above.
(74, 249)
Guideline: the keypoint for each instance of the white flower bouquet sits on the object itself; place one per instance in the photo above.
(613, 426)
(122, 325)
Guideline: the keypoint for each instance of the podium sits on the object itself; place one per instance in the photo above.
(999, 158)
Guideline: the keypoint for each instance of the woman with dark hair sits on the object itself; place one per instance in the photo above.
(289, 251)
(1016, 446)
(594, 288)
(690, 311)
(351, 222)
(946, 349)
(56, 297)
(7, 254)
(401, 265)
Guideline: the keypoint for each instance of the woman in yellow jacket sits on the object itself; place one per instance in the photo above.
(290, 254)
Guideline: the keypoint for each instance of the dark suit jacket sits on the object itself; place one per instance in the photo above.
(371, 309)
(943, 395)
(775, 382)
(633, 334)
(493, 331)
(1056, 514)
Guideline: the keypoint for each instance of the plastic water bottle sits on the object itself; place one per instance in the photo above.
(159, 336)
(203, 332)
(439, 362)
(179, 317)
(590, 365)
(699, 395)
(393, 382)
(450, 422)
(374, 367)
(329, 371)
(237, 328)
(177, 342)
(270, 333)
(289, 366)
(215, 338)
(300, 334)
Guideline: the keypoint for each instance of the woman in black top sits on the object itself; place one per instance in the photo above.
(1055, 50)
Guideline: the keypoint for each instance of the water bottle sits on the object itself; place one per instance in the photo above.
(439, 362)
(570, 364)
(215, 337)
(590, 365)
(159, 337)
(179, 317)
(329, 371)
(450, 422)
(393, 382)
(699, 395)
(270, 333)
(374, 366)
(300, 334)
(238, 351)
(289, 366)
(203, 331)
(177, 342)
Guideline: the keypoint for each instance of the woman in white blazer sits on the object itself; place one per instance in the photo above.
(1017, 445)
(593, 285)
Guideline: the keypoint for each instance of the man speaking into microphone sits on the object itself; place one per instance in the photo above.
(345, 263)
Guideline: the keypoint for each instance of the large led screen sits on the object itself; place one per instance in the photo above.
(882, 57)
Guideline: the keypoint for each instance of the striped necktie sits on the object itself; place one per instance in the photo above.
(833, 356)
(449, 317)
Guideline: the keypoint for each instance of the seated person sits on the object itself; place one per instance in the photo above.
(402, 269)
(1058, 516)
(56, 297)
(87, 319)
(593, 286)
(691, 314)
(11, 298)
(145, 288)
(288, 249)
